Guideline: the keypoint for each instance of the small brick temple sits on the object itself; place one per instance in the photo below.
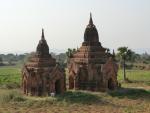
(41, 75)
(92, 67)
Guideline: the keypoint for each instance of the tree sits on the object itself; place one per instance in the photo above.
(70, 52)
(61, 59)
(108, 50)
(125, 54)
(1, 61)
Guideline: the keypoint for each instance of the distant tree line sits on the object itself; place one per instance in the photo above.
(123, 54)
(131, 57)
(12, 59)
(15, 59)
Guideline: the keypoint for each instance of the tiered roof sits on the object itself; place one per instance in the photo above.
(91, 50)
(41, 58)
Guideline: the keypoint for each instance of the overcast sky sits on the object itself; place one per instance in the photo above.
(119, 23)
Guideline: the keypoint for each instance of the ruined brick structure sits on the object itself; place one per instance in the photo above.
(92, 67)
(40, 75)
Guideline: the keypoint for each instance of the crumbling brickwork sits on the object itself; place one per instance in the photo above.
(40, 74)
(92, 67)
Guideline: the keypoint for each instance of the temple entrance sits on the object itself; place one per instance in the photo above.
(57, 87)
(24, 86)
(40, 90)
(71, 82)
(110, 84)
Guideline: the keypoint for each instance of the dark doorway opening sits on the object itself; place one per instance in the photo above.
(110, 84)
(24, 87)
(40, 90)
(57, 87)
(71, 82)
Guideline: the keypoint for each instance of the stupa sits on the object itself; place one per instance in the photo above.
(41, 75)
(92, 67)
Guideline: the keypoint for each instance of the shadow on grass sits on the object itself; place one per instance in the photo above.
(147, 83)
(80, 97)
(131, 93)
(141, 81)
(135, 81)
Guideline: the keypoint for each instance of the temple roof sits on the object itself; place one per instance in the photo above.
(41, 58)
(42, 48)
(91, 35)
(91, 50)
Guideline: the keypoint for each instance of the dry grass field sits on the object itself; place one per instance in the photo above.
(133, 97)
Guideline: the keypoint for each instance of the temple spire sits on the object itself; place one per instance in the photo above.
(43, 37)
(91, 21)
(42, 48)
(113, 52)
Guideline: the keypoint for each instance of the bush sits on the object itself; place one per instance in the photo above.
(11, 96)
(78, 97)
(9, 86)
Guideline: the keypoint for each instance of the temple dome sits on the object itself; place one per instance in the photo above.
(91, 35)
(42, 48)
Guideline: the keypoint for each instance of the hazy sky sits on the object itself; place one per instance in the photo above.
(119, 23)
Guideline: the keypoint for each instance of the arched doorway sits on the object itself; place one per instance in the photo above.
(110, 84)
(40, 90)
(24, 86)
(58, 87)
(71, 82)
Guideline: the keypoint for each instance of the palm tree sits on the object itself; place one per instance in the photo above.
(124, 54)
(70, 52)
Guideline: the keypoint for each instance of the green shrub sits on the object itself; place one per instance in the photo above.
(78, 97)
(131, 93)
(10, 86)
(11, 96)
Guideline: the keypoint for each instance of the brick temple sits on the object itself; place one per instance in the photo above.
(41, 75)
(92, 67)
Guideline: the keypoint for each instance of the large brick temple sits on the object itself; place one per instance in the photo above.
(92, 67)
(41, 75)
